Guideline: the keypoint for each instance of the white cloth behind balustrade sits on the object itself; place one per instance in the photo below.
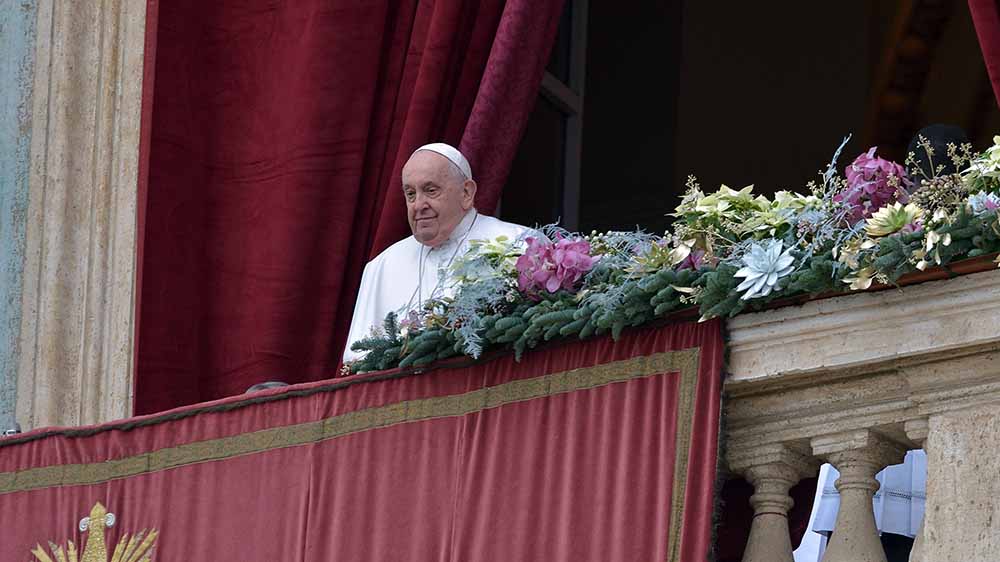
(898, 503)
(390, 281)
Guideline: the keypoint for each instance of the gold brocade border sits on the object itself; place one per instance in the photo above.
(685, 361)
(686, 388)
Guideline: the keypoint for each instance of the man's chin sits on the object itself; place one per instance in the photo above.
(426, 238)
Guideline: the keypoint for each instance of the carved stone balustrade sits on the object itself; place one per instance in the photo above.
(856, 381)
(773, 470)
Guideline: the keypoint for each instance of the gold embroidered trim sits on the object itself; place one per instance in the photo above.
(686, 388)
(685, 361)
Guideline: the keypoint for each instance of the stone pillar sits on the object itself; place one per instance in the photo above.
(858, 455)
(76, 334)
(963, 486)
(773, 470)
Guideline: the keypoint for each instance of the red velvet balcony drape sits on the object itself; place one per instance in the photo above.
(590, 451)
(277, 135)
(986, 17)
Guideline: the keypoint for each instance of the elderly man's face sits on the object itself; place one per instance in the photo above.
(437, 196)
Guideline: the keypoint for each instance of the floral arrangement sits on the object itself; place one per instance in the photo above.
(728, 251)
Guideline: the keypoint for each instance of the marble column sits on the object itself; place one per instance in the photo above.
(77, 321)
(859, 455)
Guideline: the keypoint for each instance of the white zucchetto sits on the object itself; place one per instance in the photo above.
(452, 154)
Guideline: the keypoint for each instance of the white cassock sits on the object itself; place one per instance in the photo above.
(392, 281)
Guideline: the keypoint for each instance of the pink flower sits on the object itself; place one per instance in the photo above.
(693, 261)
(913, 227)
(553, 266)
(869, 187)
(412, 321)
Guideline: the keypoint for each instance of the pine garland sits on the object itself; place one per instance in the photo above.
(730, 251)
(640, 300)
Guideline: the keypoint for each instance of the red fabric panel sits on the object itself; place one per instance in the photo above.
(575, 489)
(582, 474)
(145, 131)
(279, 130)
(986, 17)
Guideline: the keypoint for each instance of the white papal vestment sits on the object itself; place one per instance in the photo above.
(392, 281)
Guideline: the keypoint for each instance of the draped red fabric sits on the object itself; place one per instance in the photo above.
(278, 133)
(596, 450)
(986, 17)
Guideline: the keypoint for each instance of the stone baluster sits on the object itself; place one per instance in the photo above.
(858, 455)
(772, 470)
(916, 431)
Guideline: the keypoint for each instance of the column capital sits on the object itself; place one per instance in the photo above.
(917, 430)
(861, 446)
(794, 461)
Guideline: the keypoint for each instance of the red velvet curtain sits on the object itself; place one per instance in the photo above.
(278, 133)
(986, 17)
(596, 450)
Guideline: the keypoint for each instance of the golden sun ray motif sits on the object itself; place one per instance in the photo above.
(137, 548)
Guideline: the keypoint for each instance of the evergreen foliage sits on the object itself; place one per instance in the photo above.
(639, 278)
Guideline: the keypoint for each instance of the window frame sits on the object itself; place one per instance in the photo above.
(569, 99)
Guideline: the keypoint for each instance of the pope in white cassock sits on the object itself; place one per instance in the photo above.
(440, 207)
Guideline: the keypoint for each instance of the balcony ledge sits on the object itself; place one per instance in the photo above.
(880, 372)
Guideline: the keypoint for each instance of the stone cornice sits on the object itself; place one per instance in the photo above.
(865, 328)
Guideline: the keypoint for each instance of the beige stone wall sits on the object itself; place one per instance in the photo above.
(79, 275)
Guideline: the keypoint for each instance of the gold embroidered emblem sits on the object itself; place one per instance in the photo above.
(134, 549)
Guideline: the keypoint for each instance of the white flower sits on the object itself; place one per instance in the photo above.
(985, 168)
(763, 267)
(861, 279)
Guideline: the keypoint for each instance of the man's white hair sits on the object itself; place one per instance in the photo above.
(452, 154)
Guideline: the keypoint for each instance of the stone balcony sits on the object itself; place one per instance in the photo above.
(856, 381)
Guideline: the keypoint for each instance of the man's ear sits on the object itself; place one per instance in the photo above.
(468, 194)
